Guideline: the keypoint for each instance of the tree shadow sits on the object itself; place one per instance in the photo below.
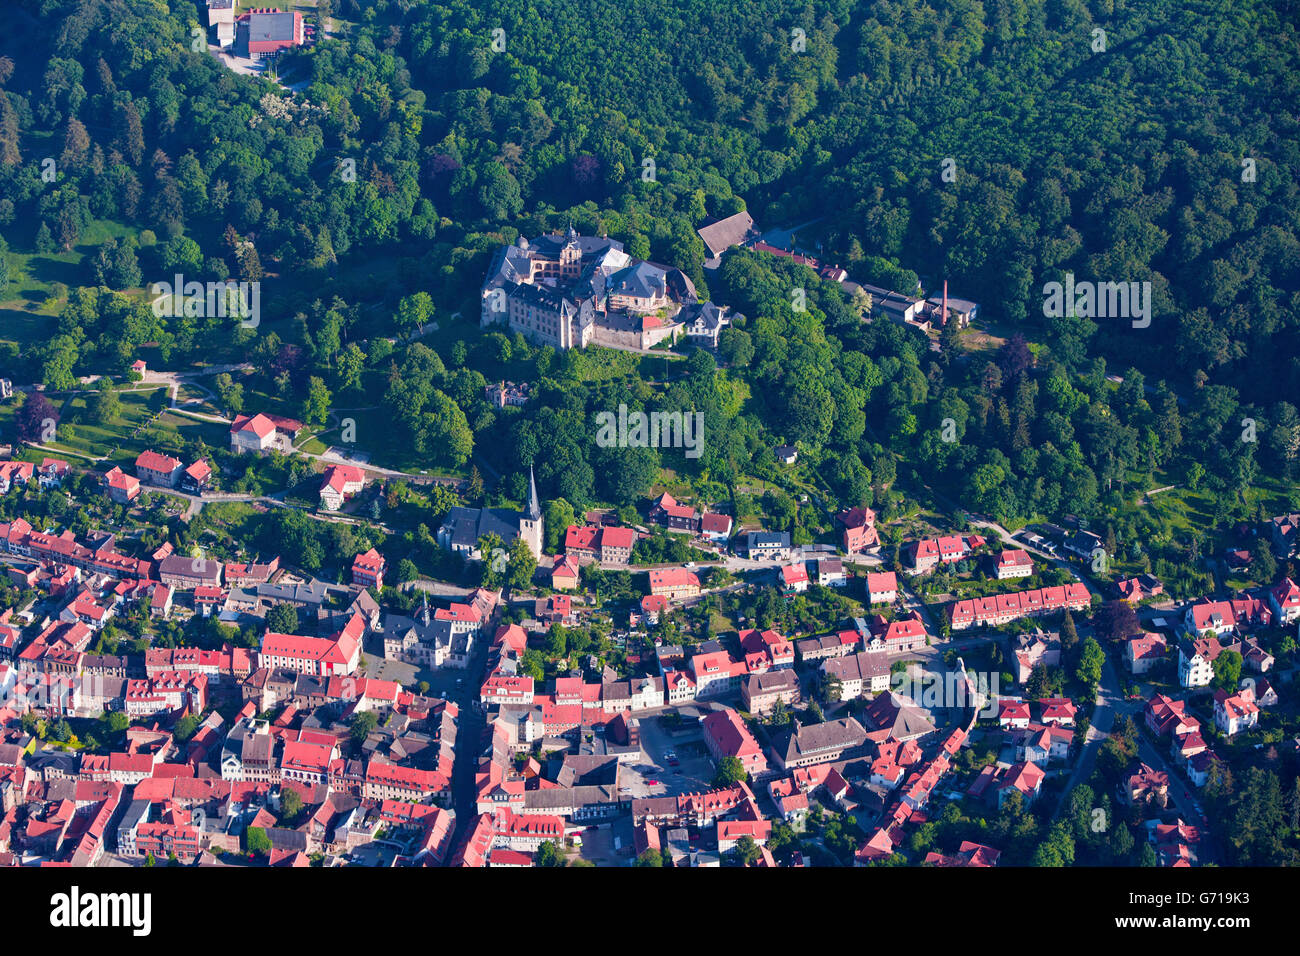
(48, 270)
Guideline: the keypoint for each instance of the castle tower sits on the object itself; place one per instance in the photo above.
(530, 522)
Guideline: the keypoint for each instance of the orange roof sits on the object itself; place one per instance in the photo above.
(258, 424)
(156, 462)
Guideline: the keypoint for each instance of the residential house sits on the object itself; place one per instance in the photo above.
(813, 649)
(196, 478)
(1013, 564)
(903, 634)
(1284, 598)
(995, 784)
(1057, 710)
(1234, 713)
(858, 674)
(882, 587)
(1196, 659)
(340, 483)
(368, 569)
(1223, 617)
(1084, 544)
(703, 322)
(1013, 713)
(726, 735)
(926, 554)
(716, 527)
(1003, 608)
(762, 690)
(1144, 651)
(564, 575)
(1039, 649)
(767, 545)
(1148, 786)
(674, 515)
(674, 583)
(858, 535)
(122, 488)
(1284, 531)
(1138, 588)
(1164, 715)
(51, 472)
(830, 573)
(155, 469)
(793, 578)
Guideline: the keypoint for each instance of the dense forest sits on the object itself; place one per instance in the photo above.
(1118, 158)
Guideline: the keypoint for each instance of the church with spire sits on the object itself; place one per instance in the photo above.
(463, 527)
(530, 522)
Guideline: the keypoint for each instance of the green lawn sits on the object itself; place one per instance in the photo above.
(23, 326)
(117, 438)
(34, 274)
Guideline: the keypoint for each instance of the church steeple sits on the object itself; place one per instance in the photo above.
(534, 507)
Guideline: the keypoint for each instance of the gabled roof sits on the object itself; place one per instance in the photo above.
(258, 424)
(338, 477)
(156, 462)
(722, 235)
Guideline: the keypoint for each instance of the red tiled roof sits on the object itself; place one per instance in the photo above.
(258, 424)
(153, 461)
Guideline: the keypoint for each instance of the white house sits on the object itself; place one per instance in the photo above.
(1014, 564)
(1196, 661)
(882, 587)
(1234, 713)
(255, 433)
(340, 483)
(1284, 598)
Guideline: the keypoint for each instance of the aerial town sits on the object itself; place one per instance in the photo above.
(165, 705)
(826, 436)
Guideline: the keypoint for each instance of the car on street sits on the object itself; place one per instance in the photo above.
(653, 783)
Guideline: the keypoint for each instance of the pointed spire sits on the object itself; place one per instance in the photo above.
(534, 508)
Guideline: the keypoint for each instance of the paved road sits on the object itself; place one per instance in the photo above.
(277, 501)
(1103, 718)
(1180, 794)
(471, 737)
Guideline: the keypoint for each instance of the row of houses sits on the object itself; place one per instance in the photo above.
(1004, 608)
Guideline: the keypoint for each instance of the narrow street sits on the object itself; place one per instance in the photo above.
(1103, 718)
(471, 737)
